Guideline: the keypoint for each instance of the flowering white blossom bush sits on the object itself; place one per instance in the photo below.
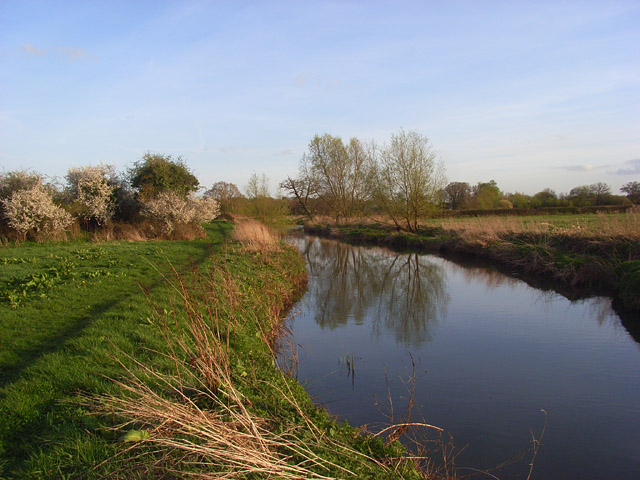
(90, 187)
(33, 210)
(208, 209)
(171, 209)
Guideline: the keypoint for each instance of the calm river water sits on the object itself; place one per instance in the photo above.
(489, 350)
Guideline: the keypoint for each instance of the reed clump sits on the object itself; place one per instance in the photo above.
(255, 236)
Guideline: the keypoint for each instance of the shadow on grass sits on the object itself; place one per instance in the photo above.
(25, 433)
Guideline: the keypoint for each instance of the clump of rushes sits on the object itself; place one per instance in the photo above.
(226, 411)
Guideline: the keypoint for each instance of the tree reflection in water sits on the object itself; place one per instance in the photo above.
(402, 293)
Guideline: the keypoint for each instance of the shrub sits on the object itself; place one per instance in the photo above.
(92, 189)
(171, 209)
(155, 174)
(31, 211)
(18, 180)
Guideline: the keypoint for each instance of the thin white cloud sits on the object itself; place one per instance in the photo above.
(283, 153)
(634, 168)
(333, 83)
(580, 168)
(32, 51)
(72, 54)
(301, 80)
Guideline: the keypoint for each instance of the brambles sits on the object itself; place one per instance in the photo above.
(157, 200)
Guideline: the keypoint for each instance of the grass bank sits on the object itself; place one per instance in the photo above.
(155, 360)
(596, 252)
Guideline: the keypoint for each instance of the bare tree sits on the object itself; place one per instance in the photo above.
(600, 192)
(632, 189)
(258, 186)
(226, 194)
(304, 187)
(457, 195)
(361, 164)
(410, 180)
(340, 173)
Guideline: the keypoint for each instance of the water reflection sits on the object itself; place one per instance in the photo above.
(402, 293)
(492, 349)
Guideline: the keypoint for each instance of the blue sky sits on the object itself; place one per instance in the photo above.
(531, 94)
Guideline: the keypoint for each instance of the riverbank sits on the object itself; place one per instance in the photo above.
(155, 359)
(596, 253)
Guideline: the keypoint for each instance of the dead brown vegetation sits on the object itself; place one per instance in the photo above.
(601, 226)
(255, 236)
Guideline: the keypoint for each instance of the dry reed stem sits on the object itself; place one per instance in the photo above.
(408, 424)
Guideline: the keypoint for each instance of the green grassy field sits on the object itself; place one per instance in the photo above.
(81, 321)
(64, 310)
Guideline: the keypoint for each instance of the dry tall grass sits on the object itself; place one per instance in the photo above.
(255, 236)
(601, 226)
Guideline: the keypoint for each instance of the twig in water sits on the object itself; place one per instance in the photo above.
(537, 442)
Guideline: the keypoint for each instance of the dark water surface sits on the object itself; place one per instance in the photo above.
(490, 353)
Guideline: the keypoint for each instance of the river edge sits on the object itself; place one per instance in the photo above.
(573, 267)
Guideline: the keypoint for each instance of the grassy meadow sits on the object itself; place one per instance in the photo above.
(155, 360)
(594, 251)
(65, 311)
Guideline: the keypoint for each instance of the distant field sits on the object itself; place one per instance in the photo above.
(580, 225)
(593, 225)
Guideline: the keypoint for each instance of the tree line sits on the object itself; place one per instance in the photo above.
(401, 179)
(487, 196)
(404, 180)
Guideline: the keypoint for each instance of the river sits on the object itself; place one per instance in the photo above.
(483, 355)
